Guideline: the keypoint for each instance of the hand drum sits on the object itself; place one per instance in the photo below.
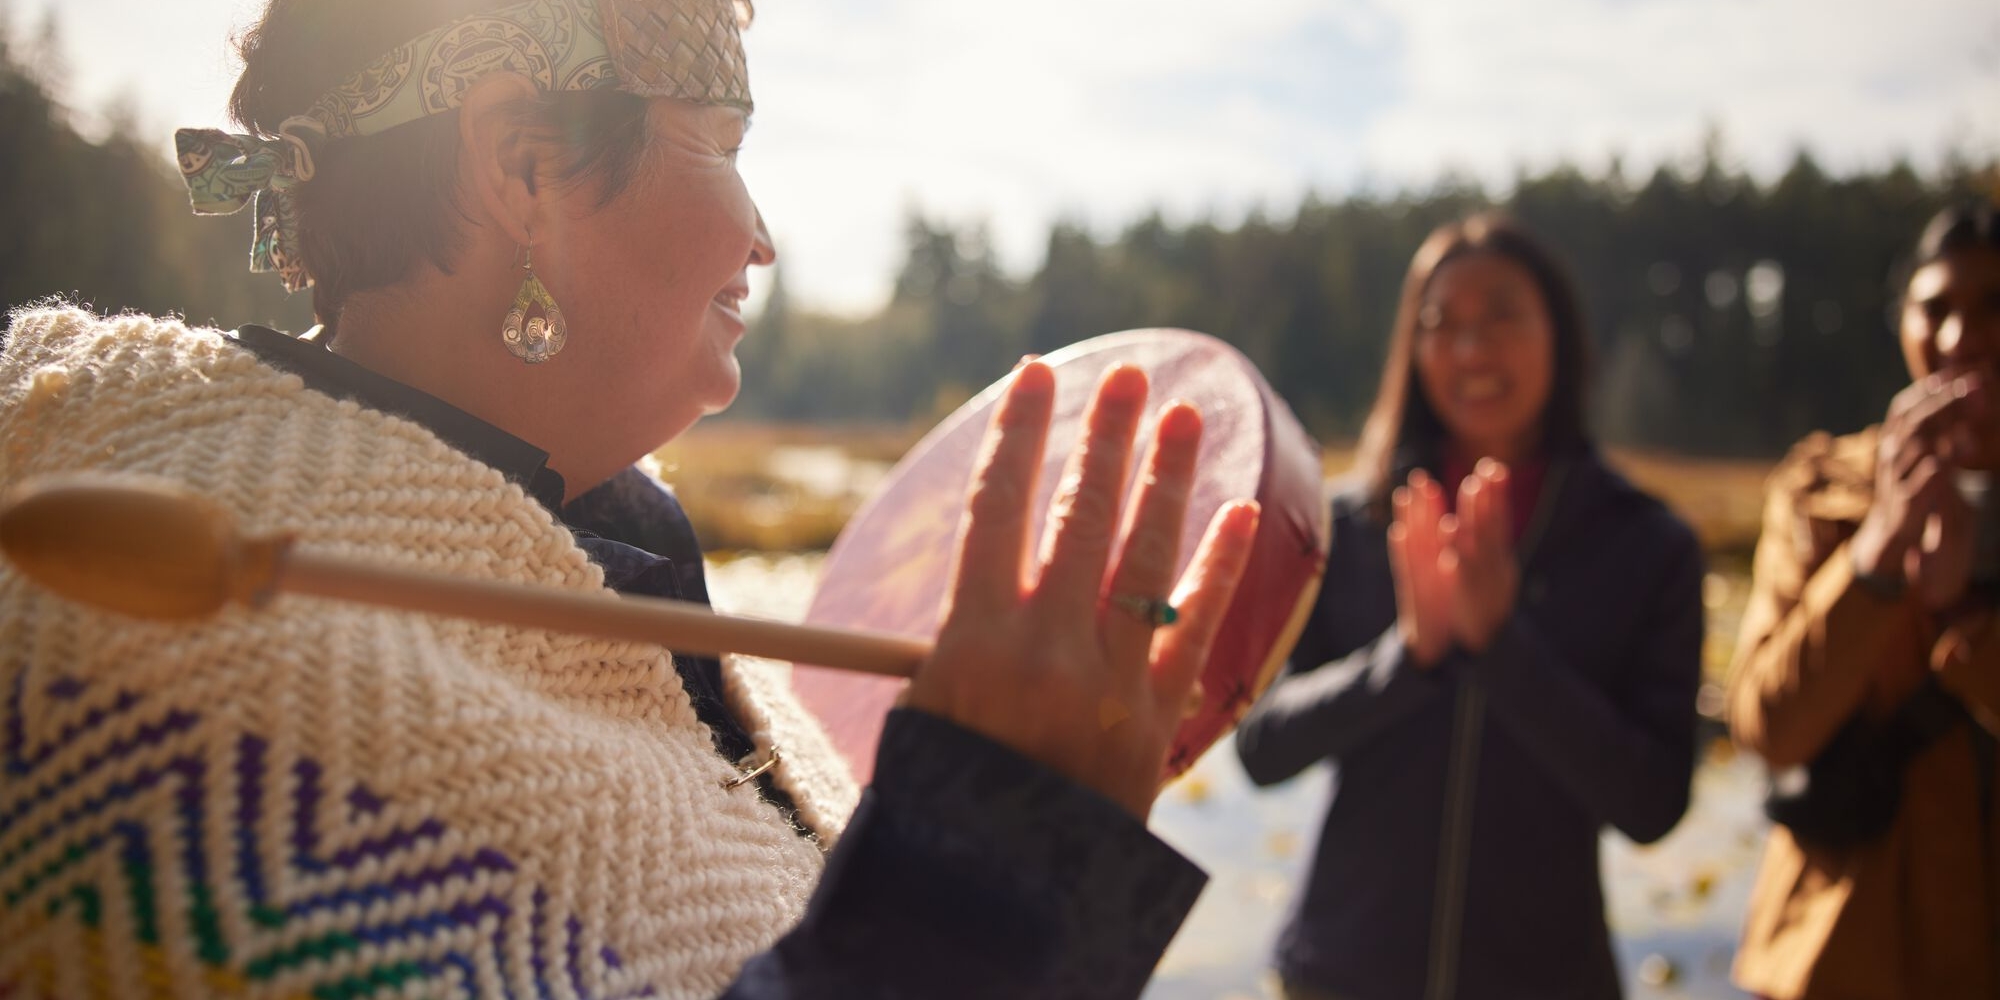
(890, 568)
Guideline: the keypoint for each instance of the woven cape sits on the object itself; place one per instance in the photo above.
(327, 800)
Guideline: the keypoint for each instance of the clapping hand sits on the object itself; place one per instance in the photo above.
(1456, 577)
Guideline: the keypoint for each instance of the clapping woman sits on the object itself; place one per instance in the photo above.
(1502, 663)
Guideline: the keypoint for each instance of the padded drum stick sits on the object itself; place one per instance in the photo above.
(149, 548)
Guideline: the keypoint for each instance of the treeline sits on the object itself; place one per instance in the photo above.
(1730, 315)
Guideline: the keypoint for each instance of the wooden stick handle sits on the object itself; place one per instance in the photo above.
(150, 548)
(682, 626)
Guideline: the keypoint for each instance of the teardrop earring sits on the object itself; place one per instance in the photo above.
(535, 330)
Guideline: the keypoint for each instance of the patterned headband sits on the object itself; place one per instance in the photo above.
(691, 50)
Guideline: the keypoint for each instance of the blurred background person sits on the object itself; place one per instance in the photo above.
(1503, 659)
(1868, 671)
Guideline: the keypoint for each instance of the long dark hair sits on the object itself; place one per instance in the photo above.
(1402, 429)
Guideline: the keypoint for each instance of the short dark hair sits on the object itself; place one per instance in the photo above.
(1965, 226)
(380, 204)
(1402, 429)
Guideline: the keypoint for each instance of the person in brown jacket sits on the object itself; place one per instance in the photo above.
(1874, 596)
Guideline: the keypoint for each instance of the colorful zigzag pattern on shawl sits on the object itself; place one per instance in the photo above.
(63, 855)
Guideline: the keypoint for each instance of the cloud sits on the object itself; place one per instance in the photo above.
(1490, 83)
(1020, 112)
(1024, 111)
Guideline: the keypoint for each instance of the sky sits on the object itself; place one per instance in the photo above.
(1017, 113)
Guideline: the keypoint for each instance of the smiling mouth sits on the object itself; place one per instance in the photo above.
(1481, 388)
(731, 301)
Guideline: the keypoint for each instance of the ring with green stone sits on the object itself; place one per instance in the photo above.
(1153, 611)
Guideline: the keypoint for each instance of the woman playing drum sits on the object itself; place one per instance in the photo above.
(527, 243)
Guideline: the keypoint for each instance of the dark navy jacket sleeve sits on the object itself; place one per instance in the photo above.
(971, 871)
(1326, 711)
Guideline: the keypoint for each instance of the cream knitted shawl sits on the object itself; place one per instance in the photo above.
(326, 800)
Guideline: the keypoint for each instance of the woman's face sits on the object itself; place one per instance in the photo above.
(653, 283)
(1485, 354)
(1951, 325)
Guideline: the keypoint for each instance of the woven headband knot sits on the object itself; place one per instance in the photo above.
(225, 172)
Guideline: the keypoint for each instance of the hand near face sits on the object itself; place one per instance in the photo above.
(1037, 658)
(1919, 529)
(1456, 577)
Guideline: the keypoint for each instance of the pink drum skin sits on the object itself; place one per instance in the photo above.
(890, 567)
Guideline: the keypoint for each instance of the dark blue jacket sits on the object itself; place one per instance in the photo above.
(1459, 856)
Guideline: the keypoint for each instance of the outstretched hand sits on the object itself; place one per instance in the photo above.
(1456, 576)
(1037, 655)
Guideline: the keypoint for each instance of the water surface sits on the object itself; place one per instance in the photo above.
(1674, 906)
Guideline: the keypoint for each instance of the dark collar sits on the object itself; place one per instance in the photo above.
(327, 372)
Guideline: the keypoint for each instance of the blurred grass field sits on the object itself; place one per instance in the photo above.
(760, 487)
(790, 487)
(777, 488)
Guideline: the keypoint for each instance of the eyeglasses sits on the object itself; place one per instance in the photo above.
(1482, 333)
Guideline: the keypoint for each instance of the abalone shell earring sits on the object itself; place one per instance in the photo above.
(535, 330)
